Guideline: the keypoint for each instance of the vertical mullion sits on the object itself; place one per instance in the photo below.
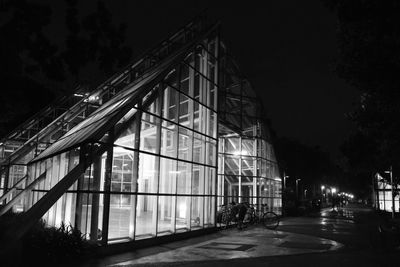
(178, 104)
(240, 170)
(94, 224)
(159, 104)
(107, 187)
(135, 169)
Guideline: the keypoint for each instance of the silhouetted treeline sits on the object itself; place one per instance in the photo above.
(35, 68)
(309, 163)
(369, 60)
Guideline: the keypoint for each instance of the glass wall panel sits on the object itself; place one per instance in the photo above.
(185, 144)
(182, 214)
(231, 165)
(146, 216)
(231, 188)
(232, 145)
(198, 180)
(148, 133)
(197, 211)
(196, 117)
(148, 173)
(169, 110)
(166, 215)
(211, 151)
(209, 211)
(168, 139)
(209, 181)
(185, 109)
(121, 216)
(199, 148)
(248, 167)
(184, 177)
(168, 173)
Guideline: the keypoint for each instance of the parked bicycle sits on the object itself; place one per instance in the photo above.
(268, 219)
(226, 215)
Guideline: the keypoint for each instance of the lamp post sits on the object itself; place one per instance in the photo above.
(391, 185)
(297, 191)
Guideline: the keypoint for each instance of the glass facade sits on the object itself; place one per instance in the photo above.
(160, 157)
(158, 176)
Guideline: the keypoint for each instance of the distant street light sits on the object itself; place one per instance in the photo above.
(297, 190)
(333, 190)
(284, 180)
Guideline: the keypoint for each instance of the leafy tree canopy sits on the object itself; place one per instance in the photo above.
(35, 70)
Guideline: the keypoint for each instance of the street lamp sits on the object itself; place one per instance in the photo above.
(297, 185)
(284, 180)
(333, 191)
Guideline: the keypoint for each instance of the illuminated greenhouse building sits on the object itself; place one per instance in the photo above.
(153, 151)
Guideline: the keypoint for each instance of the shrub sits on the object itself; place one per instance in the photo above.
(44, 245)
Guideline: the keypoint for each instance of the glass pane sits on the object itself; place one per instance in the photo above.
(168, 175)
(184, 178)
(198, 148)
(168, 139)
(146, 215)
(182, 214)
(231, 188)
(232, 145)
(148, 173)
(148, 133)
(231, 165)
(121, 216)
(248, 147)
(209, 181)
(184, 105)
(122, 179)
(211, 152)
(198, 180)
(197, 212)
(185, 144)
(166, 215)
(209, 211)
(196, 116)
(169, 110)
(248, 166)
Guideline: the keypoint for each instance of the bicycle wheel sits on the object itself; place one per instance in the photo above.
(271, 220)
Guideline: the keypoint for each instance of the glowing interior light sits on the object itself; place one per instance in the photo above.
(182, 210)
(240, 153)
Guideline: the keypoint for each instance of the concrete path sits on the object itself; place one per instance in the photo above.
(250, 243)
(336, 238)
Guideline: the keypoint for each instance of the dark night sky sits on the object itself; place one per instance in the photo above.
(286, 48)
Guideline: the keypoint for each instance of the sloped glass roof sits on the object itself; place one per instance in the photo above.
(90, 127)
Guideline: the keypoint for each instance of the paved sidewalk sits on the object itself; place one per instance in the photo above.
(328, 238)
(251, 243)
(224, 245)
